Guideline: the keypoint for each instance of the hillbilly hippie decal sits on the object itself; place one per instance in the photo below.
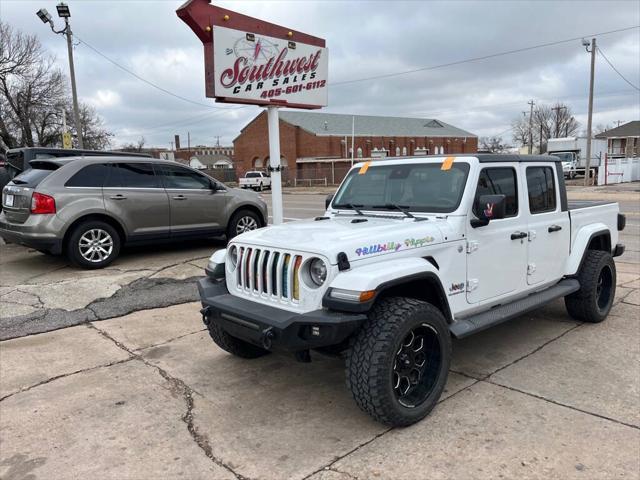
(392, 247)
(258, 68)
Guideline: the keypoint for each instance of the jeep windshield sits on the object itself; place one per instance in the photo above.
(415, 187)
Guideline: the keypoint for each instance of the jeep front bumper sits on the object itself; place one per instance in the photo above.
(274, 328)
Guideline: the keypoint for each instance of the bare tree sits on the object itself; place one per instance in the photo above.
(33, 96)
(547, 120)
(492, 144)
(136, 146)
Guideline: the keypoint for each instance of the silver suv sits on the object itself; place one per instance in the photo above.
(87, 208)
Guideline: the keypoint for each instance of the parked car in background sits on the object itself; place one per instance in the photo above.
(256, 180)
(17, 159)
(89, 207)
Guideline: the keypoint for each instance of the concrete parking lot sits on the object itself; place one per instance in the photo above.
(136, 389)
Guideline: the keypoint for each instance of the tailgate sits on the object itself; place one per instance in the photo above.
(16, 203)
(16, 196)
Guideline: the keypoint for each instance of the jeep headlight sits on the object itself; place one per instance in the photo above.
(232, 255)
(318, 271)
(215, 266)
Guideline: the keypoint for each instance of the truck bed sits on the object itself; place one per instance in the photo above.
(578, 204)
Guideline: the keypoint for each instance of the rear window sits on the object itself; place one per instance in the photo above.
(89, 176)
(253, 175)
(32, 177)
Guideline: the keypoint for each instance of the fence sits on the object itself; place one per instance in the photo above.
(225, 175)
(329, 173)
(619, 170)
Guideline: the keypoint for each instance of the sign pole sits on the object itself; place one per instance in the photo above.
(274, 164)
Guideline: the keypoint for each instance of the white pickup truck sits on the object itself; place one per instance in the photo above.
(409, 254)
(256, 180)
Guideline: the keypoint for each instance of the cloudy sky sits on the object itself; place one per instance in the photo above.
(365, 39)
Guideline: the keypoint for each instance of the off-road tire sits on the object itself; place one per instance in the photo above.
(584, 305)
(234, 345)
(372, 354)
(235, 219)
(72, 247)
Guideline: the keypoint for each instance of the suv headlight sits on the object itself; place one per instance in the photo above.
(318, 271)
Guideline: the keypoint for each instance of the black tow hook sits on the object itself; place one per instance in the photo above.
(205, 315)
(268, 335)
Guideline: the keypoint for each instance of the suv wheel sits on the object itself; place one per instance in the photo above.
(597, 277)
(398, 363)
(243, 221)
(93, 244)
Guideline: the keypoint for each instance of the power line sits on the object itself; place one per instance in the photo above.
(182, 123)
(483, 57)
(158, 87)
(615, 69)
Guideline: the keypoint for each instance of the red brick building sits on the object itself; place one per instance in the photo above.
(317, 146)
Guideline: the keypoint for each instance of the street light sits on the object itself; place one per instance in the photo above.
(64, 12)
(44, 15)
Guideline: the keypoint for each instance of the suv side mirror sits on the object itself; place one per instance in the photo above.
(492, 207)
(327, 200)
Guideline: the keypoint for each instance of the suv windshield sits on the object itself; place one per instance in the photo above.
(419, 187)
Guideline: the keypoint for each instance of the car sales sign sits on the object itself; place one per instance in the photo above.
(251, 61)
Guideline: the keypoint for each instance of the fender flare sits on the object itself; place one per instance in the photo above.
(581, 244)
(375, 277)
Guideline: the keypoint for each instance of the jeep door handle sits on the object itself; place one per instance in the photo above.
(554, 228)
(519, 235)
(118, 197)
(179, 197)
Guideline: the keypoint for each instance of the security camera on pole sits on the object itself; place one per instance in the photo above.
(250, 61)
(64, 12)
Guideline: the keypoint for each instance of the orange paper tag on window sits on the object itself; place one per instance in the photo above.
(364, 168)
(448, 162)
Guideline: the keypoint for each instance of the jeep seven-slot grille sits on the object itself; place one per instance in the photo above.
(268, 273)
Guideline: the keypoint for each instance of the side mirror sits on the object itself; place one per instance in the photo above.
(327, 201)
(492, 208)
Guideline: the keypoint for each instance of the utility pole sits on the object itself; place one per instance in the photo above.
(557, 110)
(531, 103)
(189, 142)
(353, 137)
(587, 180)
(74, 91)
(64, 12)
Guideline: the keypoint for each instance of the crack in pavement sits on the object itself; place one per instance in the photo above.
(141, 294)
(169, 341)
(329, 466)
(178, 386)
(570, 407)
(64, 375)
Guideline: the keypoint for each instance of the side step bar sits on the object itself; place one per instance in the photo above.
(476, 323)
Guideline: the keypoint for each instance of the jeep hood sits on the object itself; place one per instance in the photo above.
(357, 238)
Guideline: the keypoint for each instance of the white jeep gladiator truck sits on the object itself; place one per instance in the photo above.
(409, 254)
(256, 180)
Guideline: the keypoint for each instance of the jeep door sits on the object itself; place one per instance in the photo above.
(197, 205)
(133, 194)
(549, 231)
(497, 252)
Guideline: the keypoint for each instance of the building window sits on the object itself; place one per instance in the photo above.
(359, 152)
(397, 151)
(404, 151)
